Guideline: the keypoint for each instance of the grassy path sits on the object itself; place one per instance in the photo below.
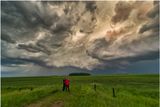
(48, 101)
(40, 104)
(86, 97)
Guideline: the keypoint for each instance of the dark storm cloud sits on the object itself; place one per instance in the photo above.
(75, 34)
(8, 61)
(154, 11)
(98, 46)
(15, 24)
(7, 38)
(154, 15)
(148, 34)
(63, 25)
(34, 48)
(150, 26)
(91, 6)
(32, 14)
(102, 45)
(122, 11)
(152, 55)
(32, 17)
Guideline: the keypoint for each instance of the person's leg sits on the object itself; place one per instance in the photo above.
(63, 87)
(67, 88)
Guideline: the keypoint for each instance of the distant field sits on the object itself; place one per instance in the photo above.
(130, 90)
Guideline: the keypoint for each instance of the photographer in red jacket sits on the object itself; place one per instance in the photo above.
(67, 83)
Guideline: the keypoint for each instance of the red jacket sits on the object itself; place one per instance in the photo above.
(66, 82)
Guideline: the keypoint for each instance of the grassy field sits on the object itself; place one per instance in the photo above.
(130, 90)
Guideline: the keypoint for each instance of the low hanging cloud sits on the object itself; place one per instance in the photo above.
(153, 14)
(87, 35)
(7, 38)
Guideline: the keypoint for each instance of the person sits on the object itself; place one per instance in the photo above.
(67, 83)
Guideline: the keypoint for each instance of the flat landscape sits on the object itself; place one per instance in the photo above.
(130, 91)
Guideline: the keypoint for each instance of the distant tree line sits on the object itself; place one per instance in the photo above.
(79, 74)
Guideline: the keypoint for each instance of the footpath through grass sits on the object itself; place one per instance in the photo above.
(131, 91)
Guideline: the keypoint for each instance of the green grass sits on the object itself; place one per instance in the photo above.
(131, 91)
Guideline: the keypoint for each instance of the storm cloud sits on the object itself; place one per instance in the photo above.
(122, 10)
(86, 35)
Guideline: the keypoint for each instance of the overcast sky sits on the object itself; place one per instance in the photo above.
(57, 38)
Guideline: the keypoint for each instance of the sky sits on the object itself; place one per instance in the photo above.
(40, 38)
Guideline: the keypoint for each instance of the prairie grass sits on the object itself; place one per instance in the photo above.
(130, 90)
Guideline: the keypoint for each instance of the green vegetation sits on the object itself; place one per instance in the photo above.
(130, 90)
(79, 74)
